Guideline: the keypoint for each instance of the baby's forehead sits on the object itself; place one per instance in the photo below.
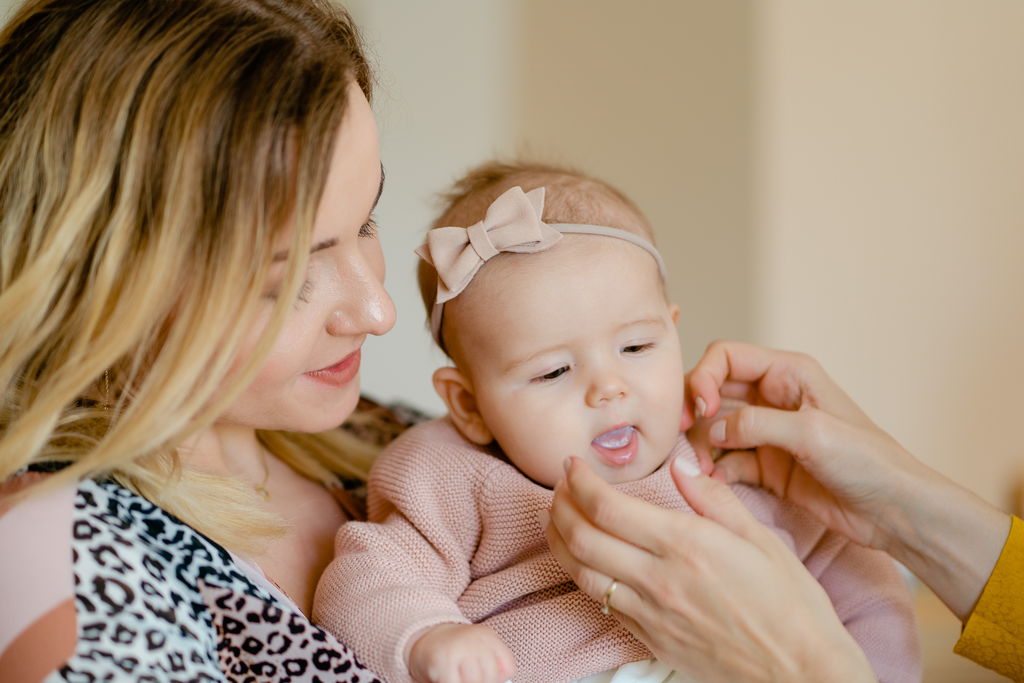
(569, 276)
(576, 258)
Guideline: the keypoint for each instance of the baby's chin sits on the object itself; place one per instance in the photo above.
(638, 469)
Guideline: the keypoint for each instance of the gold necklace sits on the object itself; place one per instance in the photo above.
(261, 488)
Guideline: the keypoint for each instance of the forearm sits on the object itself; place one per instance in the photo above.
(949, 538)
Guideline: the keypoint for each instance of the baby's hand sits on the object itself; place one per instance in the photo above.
(460, 653)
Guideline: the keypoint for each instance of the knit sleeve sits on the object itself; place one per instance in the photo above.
(873, 602)
(994, 633)
(403, 570)
(864, 585)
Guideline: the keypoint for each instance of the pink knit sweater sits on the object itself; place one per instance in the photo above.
(453, 536)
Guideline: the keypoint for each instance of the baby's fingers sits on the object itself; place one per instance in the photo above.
(724, 362)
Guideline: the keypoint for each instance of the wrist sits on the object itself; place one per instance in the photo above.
(949, 538)
(417, 638)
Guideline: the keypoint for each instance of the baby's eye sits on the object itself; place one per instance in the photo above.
(554, 374)
(637, 348)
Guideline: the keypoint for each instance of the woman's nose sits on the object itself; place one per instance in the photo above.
(604, 389)
(365, 308)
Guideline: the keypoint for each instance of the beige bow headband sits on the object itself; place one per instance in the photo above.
(512, 224)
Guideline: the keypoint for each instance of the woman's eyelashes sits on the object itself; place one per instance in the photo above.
(304, 295)
(369, 228)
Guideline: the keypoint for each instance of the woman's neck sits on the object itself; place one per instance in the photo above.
(227, 449)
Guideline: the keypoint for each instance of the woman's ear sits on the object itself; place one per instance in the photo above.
(456, 391)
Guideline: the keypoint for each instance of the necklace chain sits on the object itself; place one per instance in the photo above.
(261, 488)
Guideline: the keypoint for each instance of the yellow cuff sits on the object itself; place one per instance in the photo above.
(994, 633)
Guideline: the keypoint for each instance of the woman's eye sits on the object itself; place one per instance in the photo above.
(369, 228)
(554, 374)
(304, 292)
(637, 348)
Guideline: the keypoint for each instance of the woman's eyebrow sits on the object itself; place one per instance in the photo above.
(319, 246)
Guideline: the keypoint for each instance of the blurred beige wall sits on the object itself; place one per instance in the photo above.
(889, 215)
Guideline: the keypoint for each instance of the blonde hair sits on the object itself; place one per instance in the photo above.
(150, 154)
(571, 196)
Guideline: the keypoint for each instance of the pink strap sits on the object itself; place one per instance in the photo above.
(512, 224)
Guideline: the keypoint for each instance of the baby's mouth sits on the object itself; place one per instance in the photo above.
(617, 447)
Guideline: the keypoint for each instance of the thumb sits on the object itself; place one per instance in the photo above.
(714, 500)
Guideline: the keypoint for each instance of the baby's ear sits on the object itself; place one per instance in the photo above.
(673, 310)
(456, 391)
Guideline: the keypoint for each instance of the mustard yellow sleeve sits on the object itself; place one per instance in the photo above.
(994, 633)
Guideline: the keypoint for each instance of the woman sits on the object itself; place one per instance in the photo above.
(694, 588)
(188, 269)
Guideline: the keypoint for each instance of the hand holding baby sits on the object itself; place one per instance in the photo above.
(460, 653)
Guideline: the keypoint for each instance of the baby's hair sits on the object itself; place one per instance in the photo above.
(570, 196)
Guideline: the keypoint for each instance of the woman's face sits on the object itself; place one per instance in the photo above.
(310, 380)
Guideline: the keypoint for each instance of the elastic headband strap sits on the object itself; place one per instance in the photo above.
(512, 225)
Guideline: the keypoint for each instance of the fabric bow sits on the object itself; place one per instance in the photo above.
(512, 224)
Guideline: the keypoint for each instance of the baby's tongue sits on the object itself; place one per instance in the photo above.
(616, 438)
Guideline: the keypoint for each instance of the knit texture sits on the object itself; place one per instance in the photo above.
(453, 536)
(994, 633)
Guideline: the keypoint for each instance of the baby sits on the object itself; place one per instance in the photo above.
(551, 304)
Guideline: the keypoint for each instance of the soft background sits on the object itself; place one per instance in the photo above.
(845, 178)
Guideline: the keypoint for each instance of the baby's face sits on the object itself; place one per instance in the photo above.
(574, 351)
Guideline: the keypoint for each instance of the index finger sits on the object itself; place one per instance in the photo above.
(614, 512)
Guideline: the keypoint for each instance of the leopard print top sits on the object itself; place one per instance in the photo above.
(150, 599)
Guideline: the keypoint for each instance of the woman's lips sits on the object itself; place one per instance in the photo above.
(339, 374)
(617, 447)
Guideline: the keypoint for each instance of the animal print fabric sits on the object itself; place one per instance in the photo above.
(158, 601)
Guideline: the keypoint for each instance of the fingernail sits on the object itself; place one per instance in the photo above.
(566, 464)
(543, 516)
(686, 467)
(702, 407)
(718, 431)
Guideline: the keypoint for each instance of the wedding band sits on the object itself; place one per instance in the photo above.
(605, 607)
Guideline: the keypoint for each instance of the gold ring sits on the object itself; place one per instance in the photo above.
(605, 607)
